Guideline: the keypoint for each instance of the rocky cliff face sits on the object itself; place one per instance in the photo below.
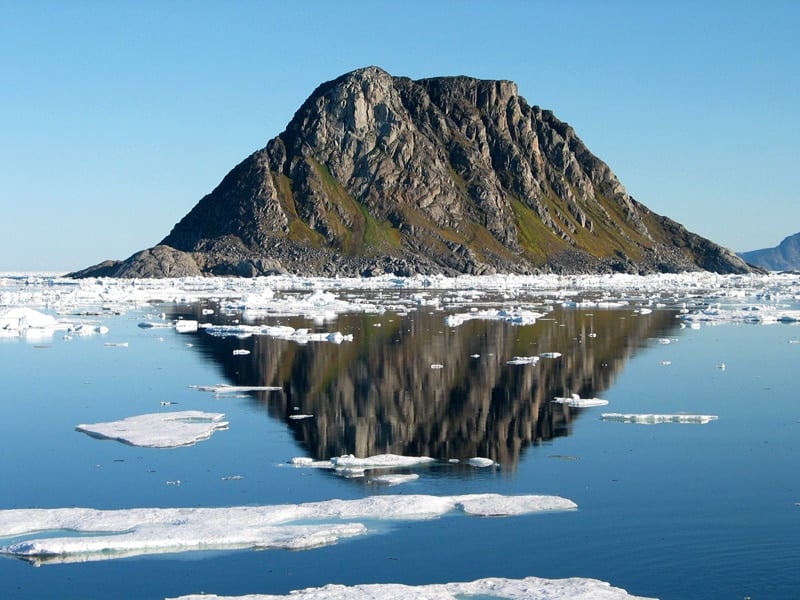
(784, 257)
(378, 174)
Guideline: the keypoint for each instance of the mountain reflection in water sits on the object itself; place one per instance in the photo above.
(379, 393)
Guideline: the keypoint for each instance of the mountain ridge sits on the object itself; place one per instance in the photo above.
(783, 257)
(380, 174)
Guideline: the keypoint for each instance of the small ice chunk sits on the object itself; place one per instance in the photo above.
(550, 354)
(651, 419)
(241, 352)
(159, 430)
(523, 360)
(300, 416)
(224, 388)
(576, 401)
(394, 478)
(437, 366)
(481, 462)
(186, 325)
(379, 461)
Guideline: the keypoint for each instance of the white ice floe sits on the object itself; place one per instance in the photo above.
(481, 462)
(281, 332)
(576, 401)
(515, 317)
(298, 417)
(394, 478)
(186, 325)
(550, 354)
(159, 430)
(523, 360)
(224, 388)
(241, 352)
(652, 419)
(106, 534)
(24, 322)
(529, 588)
(379, 461)
(353, 466)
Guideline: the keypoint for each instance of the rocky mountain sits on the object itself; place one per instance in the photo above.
(380, 174)
(784, 257)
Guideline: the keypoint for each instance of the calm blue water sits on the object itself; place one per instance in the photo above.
(669, 511)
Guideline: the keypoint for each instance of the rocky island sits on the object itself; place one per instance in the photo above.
(380, 174)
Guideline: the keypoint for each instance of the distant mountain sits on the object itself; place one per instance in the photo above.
(381, 174)
(784, 257)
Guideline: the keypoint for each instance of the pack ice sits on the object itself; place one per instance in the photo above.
(106, 534)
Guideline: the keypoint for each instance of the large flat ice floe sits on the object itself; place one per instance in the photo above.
(348, 465)
(106, 534)
(159, 430)
(652, 419)
(529, 588)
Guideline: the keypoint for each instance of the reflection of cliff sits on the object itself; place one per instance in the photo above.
(379, 394)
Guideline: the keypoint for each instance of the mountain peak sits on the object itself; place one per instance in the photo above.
(376, 173)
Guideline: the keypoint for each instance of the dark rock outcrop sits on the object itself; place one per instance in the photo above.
(784, 257)
(378, 174)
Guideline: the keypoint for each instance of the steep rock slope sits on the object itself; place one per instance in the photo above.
(451, 175)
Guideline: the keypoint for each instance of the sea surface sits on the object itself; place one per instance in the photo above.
(670, 510)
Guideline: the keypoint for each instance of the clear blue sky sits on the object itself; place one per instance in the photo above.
(117, 117)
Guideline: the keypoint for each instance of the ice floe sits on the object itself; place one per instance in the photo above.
(515, 317)
(224, 388)
(282, 332)
(105, 534)
(480, 462)
(652, 419)
(576, 401)
(499, 588)
(353, 466)
(523, 360)
(159, 430)
(394, 478)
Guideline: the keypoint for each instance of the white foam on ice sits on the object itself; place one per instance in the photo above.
(652, 419)
(159, 430)
(528, 588)
(106, 534)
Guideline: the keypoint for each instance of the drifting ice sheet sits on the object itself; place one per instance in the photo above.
(529, 588)
(648, 419)
(106, 534)
(159, 430)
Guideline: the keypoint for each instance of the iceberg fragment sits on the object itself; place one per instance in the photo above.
(528, 588)
(651, 419)
(159, 430)
(107, 534)
(576, 401)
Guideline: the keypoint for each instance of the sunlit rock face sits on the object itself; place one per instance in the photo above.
(415, 387)
(382, 174)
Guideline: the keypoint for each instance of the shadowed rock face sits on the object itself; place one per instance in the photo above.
(379, 394)
(451, 175)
